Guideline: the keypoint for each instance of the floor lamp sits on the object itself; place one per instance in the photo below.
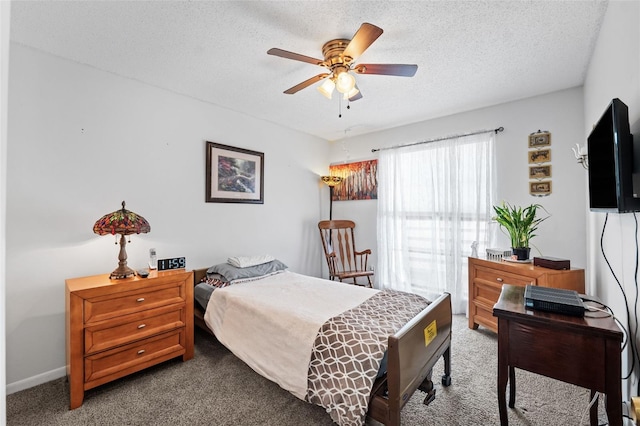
(331, 181)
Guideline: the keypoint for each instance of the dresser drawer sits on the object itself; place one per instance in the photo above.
(486, 293)
(109, 365)
(501, 277)
(127, 329)
(115, 305)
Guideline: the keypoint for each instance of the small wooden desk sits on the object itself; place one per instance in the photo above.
(581, 351)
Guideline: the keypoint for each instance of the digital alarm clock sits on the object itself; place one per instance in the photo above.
(172, 263)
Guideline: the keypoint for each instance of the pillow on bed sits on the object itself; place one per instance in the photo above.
(248, 261)
(231, 273)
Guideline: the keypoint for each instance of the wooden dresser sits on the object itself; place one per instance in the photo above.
(487, 276)
(117, 327)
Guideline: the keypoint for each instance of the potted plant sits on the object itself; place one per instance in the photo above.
(521, 224)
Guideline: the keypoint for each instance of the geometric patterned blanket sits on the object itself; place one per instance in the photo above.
(348, 350)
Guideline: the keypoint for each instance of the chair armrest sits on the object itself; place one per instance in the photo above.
(362, 259)
(360, 253)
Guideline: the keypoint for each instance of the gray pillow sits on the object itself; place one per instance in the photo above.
(231, 273)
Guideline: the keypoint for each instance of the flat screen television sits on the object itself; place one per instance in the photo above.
(611, 164)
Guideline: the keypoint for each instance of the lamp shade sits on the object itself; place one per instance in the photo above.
(347, 96)
(345, 82)
(331, 180)
(326, 88)
(123, 222)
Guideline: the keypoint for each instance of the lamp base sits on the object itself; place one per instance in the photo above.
(122, 272)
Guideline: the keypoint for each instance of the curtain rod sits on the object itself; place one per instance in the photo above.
(499, 129)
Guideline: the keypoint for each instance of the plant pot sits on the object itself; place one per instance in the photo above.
(521, 253)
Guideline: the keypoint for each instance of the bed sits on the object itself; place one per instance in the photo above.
(254, 317)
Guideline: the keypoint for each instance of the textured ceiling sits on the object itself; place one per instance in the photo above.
(470, 54)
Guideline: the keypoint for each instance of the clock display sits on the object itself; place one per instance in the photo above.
(172, 263)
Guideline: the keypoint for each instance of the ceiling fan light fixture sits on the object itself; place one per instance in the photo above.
(326, 88)
(339, 58)
(345, 82)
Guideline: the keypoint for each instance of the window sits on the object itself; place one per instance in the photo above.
(434, 200)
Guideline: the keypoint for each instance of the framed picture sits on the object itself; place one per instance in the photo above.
(539, 156)
(539, 172)
(234, 175)
(359, 180)
(540, 189)
(539, 139)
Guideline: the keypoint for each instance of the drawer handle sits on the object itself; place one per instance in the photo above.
(140, 300)
(142, 325)
(499, 279)
(141, 351)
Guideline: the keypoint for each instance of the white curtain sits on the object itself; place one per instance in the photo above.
(434, 200)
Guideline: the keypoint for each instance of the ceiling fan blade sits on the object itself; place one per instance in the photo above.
(295, 56)
(306, 83)
(362, 39)
(401, 70)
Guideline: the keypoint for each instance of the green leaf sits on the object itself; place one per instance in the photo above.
(519, 223)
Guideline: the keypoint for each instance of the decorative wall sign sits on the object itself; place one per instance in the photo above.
(359, 180)
(539, 156)
(539, 139)
(234, 175)
(540, 189)
(539, 172)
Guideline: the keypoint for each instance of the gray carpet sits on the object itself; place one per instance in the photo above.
(216, 388)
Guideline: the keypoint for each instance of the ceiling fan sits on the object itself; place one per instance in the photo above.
(339, 56)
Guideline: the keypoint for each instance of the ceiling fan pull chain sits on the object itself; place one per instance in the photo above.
(339, 106)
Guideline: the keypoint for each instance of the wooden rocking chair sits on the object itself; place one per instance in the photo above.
(340, 251)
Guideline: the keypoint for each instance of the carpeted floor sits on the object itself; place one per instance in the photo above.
(216, 388)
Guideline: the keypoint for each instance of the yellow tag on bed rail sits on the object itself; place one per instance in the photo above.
(430, 332)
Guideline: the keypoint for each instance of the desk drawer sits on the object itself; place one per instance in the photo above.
(500, 277)
(109, 365)
(115, 305)
(127, 329)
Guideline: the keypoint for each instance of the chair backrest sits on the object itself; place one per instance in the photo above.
(339, 245)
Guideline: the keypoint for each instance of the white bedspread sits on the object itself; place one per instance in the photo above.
(271, 323)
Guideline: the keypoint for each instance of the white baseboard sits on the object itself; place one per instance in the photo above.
(36, 380)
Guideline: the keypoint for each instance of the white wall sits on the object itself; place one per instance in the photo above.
(80, 141)
(561, 113)
(614, 72)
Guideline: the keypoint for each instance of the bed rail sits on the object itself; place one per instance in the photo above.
(412, 352)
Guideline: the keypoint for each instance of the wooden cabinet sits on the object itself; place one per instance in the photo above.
(487, 276)
(117, 327)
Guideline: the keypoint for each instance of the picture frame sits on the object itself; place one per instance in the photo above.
(539, 139)
(539, 172)
(359, 180)
(540, 188)
(234, 175)
(539, 156)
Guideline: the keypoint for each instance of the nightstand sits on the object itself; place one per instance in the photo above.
(117, 327)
